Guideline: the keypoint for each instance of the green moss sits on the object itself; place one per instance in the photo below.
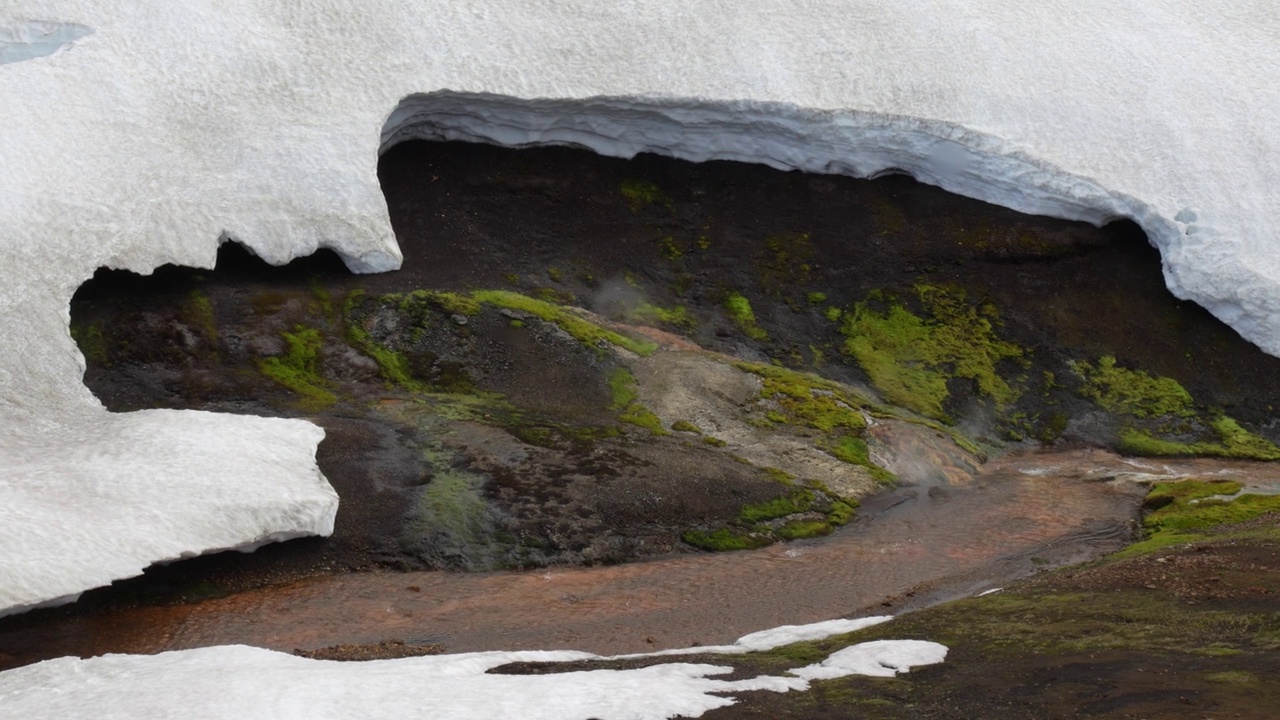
(587, 333)
(640, 193)
(298, 368)
(1233, 442)
(853, 450)
(818, 408)
(779, 475)
(713, 441)
(640, 416)
(199, 312)
(795, 502)
(740, 312)
(685, 426)
(1240, 443)
(807, 400)
(392, 365)
(555, 274)
(1232, 677)
(800, 529)
(817, 298)
(1132, 392)
(622, 387)
(832, 313)
(726, 539)
(842, 511)
(910, 358)
(1188, 510)
(678, 316)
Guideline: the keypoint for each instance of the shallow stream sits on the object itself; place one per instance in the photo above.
(918, 544)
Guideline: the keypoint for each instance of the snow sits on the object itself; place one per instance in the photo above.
(242, 683)
(137, 134)
(880, 658)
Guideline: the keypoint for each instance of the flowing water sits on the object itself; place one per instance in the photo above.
(946, 535)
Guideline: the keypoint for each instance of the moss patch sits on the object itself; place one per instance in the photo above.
(909, 358)
(1189, 510)
(1233, 442)
(725, 539)
(622, 386)
(587, 333)
(1132, 392)
(809, 401)
(739, 309)
(199, 312)
(677, 316)
(298, 368)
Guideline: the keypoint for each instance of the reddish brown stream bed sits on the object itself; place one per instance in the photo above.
(912, 546)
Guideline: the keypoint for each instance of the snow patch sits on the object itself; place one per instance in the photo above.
(241, 683)
(881, 658)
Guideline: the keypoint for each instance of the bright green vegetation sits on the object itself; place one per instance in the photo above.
(685, 426)
(757, 524)
(725, 539)
(817, 298)
(1132, 392)
(806, 400)
(587, 333)
(796, 502)
(1188, 510)
(713, 441)
(298, 368)
(909, 358)
(640, 193)
(1233, 442)
(803, 404)
(1136, 394)
(800, 529)
(739, 309)
(622, 386)
(842, 511)
(392, 365)
(678, 316)
(420, 308)
(853, 450)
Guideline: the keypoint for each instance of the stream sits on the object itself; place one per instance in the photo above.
(921, 543)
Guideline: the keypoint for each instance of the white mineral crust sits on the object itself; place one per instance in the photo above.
(134, 134)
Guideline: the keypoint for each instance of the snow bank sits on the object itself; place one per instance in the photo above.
(241, 683)
(136, 134)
